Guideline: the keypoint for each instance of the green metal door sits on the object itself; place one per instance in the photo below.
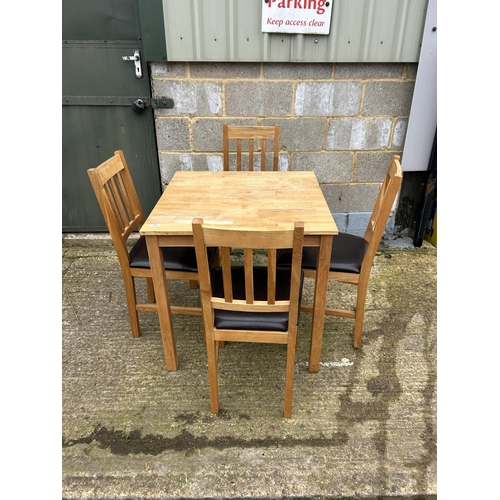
(99, 88)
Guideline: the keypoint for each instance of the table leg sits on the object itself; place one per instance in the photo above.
(162, 301)
(318, 319)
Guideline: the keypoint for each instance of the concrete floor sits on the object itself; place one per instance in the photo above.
(364, 426)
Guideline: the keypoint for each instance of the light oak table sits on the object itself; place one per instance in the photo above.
(240, 199)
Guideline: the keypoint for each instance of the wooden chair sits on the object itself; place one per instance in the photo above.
(251, 134)
(352, 256)
(249, 303)
(120, 206)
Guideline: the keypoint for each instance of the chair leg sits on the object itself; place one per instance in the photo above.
(193, 284)
(290, 370)
(212, 355)
(131, 303)
(360, 313)
(151, 290)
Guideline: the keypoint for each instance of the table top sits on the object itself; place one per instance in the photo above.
(241, 199)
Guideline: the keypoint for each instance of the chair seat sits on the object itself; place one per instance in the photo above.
(174, 258)
(347, 256)
(235, 320)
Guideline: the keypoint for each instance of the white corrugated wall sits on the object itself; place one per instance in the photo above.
(230, 30)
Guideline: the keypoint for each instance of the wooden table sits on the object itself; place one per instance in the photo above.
(243, 199)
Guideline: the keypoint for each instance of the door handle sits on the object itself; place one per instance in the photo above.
(137, 62)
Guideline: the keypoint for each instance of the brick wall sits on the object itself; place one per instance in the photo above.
(343, 121)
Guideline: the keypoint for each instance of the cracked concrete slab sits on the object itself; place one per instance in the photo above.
(364, 426)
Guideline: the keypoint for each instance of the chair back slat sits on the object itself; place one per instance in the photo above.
(125, 197)
(252, 137)
(271, 275)
(263, 155)
(250, 156)
(225, 257)
(238, 153)
(248, 265)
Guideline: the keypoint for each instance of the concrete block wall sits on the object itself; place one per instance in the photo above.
(343, 121)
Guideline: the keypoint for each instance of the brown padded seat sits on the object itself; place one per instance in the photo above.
(348, 252)
(174, 258)
(276, 322)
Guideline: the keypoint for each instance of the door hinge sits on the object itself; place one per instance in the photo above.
(155, 103)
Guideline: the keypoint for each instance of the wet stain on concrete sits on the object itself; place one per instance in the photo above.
(379, 440)
(198, 417)
(386, 388)
(202, 418)
(429, 436)
(121, 442)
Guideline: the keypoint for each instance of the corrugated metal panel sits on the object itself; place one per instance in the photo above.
(230, 30)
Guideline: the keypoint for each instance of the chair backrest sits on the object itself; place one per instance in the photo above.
(249, 239)
(244, 135)
(383, 206)
(117, 197)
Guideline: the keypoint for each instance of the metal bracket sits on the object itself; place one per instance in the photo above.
(161, 102)
(137, 61)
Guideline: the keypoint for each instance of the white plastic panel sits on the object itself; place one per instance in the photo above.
(422, 124)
